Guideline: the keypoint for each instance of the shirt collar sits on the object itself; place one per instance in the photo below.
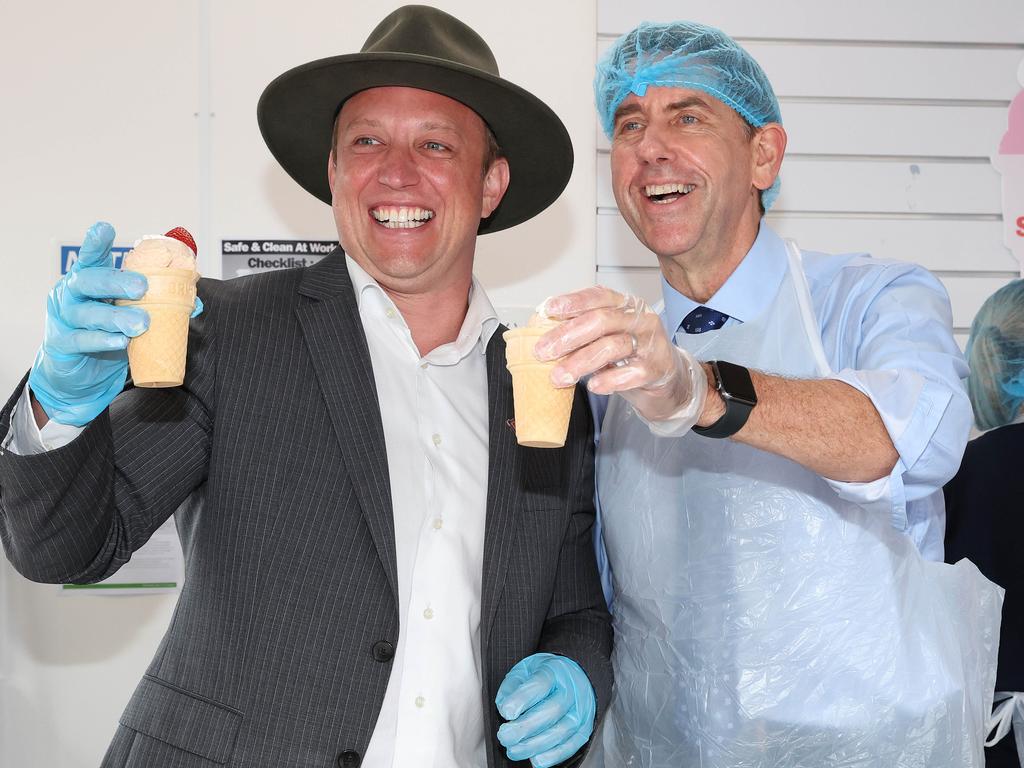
(748, 290)
(479, 325)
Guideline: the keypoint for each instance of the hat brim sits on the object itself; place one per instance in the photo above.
(296, 116)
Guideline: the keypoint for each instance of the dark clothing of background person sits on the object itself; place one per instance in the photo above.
(985, 523)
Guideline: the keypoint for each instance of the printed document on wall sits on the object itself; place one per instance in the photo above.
(156, 568)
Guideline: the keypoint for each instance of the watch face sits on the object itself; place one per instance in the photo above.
(736, 383)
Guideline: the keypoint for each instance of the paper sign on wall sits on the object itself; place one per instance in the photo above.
(69, 255)
(248, 256)
(155, 568)
(1010, 163)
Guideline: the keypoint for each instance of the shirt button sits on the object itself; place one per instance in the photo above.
(428, 613)
(390, 313)
(438, 522)
(383, 651)
(424, 366)
(420, 702)
(436, 438)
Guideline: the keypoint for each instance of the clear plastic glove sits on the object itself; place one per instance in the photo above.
(550, 705)
(82, 364)
(623, 344)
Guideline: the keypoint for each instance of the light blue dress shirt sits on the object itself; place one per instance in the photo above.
(886, 328)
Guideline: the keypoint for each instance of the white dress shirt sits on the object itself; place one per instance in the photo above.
(435, 419)
(434, 413)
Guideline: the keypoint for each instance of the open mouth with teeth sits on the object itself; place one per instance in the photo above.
(666, 193)
(402, 217)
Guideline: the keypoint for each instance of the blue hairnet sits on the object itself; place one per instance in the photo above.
(683, 54)
(995, 352)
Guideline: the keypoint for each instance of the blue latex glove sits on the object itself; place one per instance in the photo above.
(83, 362)
(550, 705)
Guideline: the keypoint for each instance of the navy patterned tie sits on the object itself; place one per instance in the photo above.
(704, 319)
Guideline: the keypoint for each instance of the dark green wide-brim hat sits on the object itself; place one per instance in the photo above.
(420, 47)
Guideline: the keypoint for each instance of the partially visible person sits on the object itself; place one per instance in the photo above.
(985, 500)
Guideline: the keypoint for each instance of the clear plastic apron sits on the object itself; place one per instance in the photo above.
(1008, 715)
(762, 621)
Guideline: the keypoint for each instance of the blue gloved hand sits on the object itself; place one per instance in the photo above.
(83, 362)
(550, 705)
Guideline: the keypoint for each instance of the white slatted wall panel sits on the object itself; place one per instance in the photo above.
(892, 111)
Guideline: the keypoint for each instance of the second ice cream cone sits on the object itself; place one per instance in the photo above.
(542, 409)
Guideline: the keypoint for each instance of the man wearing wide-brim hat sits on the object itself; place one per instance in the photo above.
(377, 573)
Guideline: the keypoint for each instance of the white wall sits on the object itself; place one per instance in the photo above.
(144, 114)
(97, 124)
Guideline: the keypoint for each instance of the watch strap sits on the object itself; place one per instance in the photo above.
(736, 411)
(731, 422)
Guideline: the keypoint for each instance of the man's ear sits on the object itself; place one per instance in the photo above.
(495, 183)
(769, 145)
(331, 169)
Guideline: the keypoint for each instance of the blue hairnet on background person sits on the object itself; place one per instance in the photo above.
(985, 501)
(995, 352)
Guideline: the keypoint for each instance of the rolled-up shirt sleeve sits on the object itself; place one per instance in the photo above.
(894, 343)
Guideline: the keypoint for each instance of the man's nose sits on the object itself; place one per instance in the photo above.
(655, 148)
(398, 168)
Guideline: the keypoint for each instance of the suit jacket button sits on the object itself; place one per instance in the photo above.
(383, 650)
(349, 759)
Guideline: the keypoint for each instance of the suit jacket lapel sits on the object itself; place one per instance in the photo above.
(334, 336)
(502, 486)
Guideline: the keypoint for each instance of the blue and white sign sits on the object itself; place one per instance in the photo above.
(69, 255)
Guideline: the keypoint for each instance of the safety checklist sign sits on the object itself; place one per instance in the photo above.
(248, 256)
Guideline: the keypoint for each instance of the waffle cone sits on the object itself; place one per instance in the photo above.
(157, 357)
(542, 409)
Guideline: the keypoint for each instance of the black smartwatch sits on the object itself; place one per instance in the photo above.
(737, 390)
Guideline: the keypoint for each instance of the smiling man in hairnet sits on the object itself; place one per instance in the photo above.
(769, 462)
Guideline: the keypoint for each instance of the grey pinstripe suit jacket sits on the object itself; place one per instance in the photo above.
(274, 656)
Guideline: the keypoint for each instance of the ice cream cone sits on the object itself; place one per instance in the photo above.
(542, 410)
(157, 357)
